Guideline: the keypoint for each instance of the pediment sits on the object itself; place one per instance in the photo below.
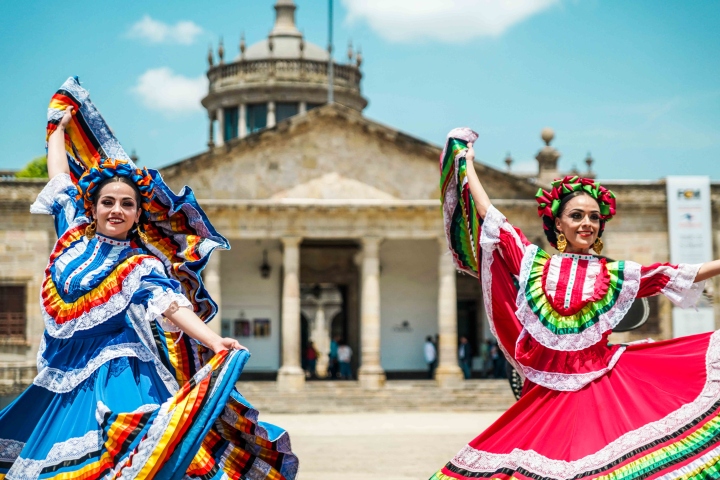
(333, 186)
(331, 152)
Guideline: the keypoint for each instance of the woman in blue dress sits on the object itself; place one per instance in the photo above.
(131, 381)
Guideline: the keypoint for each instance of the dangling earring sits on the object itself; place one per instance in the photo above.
(561, 242)
(598, 246)
(90, 230)
(141, 233)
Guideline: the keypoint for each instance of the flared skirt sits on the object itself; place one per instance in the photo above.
(123, 423)
(655, 415)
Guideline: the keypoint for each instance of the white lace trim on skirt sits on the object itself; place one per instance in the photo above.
(481, 461)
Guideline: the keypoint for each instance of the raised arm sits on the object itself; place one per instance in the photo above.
(708, 270)
(482, 201)
(186, 320)
(56, 157)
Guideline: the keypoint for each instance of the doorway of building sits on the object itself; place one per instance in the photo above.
(329, 268)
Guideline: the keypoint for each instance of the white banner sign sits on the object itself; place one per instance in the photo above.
(690, 229)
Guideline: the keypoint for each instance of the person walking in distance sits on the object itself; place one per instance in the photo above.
(333, 366)
(344, 355)
(465, 357)
(311, 356)
(430, 355)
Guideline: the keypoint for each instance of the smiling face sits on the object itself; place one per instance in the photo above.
(579, 221)
(116, 210)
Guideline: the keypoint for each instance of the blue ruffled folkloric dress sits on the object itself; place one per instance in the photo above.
(120, 392)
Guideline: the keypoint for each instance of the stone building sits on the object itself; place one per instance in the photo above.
(334, 223)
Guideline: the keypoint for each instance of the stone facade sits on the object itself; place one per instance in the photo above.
(335, 227)
(339, 200)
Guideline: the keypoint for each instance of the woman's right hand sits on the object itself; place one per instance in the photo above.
(470, 155)
(56, 157)
(482, 201)
(66, 118)
(227, 344)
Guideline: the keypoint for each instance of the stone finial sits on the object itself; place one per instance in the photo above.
(547, 134)
(547, 159)
(271, 44)
(133, 156)
(589, 162)
(210, 57)
(358, 57)
(242, 45)
(350, 52)
(508, 161)
(302, 46)
(221, 52)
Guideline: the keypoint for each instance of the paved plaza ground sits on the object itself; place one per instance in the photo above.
(391, 446)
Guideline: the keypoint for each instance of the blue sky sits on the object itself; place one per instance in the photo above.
(635, 83)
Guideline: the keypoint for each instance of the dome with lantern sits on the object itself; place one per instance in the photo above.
(276, 78)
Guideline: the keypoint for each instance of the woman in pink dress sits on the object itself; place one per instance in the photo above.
(589, 409)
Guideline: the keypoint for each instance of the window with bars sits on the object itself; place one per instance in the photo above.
(12, 311)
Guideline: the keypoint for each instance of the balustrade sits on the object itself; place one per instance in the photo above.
(293, 70)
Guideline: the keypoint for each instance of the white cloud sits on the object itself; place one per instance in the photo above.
(163, 90)
(183, 33)
(450, 21)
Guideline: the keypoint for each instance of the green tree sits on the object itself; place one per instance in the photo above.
(36, 168)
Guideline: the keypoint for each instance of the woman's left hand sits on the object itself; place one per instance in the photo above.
(227, 344)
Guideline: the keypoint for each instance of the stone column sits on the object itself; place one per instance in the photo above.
(219, 114)
(370, 374)
(211, 132)
(271, 115)
(242, 113)
(303, 108)
(291, 376)
(211, 278)
(448, 372)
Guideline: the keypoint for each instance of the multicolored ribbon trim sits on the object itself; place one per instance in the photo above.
(462, 221)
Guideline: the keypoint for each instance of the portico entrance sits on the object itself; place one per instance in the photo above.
(329, 296)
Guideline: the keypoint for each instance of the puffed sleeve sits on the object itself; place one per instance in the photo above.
(676, 282)
(509, 242)
(57, 198)
(159, 293)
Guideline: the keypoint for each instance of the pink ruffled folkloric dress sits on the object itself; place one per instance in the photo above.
(589, 409)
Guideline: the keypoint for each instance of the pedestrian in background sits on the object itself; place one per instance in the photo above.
(465, 357)
(333, 357)
(430, 353)
(311, 356)
(498, 361)
(344, 354)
